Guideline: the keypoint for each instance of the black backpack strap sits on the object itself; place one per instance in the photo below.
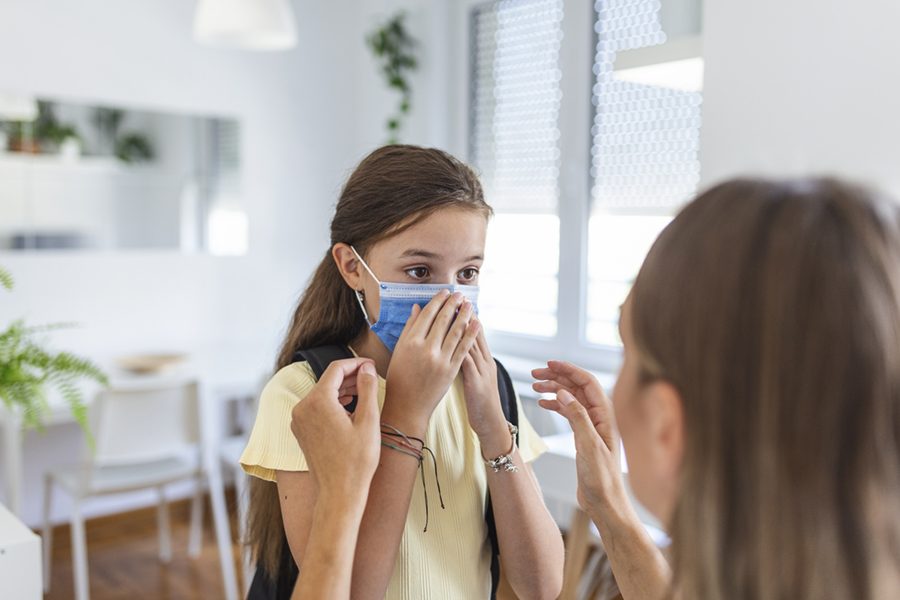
(320, 357)
(281, 587)
(511, 412)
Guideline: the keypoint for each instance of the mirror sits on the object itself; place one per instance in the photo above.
(89, 176)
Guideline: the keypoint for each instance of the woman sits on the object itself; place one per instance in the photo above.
(758, 400)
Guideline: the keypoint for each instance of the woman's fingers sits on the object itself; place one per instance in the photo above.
(577, 375)
(334, 376)
(547, 387)
(587, 439)
(366, 416)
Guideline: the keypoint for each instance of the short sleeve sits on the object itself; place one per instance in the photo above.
(272, 446)
(531, 445)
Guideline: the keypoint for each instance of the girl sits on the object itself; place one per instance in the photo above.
(398, 286)
(758, 399)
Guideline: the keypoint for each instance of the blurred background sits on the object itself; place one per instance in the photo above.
(168, 169)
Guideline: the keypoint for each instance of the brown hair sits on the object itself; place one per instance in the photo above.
(393, 188)
(774, 309)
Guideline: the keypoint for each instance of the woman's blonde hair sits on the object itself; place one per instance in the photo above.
(774, 309)
(393, 188)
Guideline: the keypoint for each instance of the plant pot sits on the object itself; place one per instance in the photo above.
(70, 149)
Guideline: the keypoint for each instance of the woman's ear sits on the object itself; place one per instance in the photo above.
(664, 412)
(348, 265)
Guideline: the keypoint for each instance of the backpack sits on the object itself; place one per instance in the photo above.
(281, 587)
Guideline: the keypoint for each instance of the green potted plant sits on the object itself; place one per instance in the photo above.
(394, 49)
(28, 370)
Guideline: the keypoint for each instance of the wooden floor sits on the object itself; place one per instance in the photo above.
(123, 558)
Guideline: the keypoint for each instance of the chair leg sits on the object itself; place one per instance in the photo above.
(162, 525)
(223, 531)
(47, 531)
(243, 502)
(79, 553)
(576, 552)
(196, 533)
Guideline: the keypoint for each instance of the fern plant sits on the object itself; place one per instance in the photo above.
(27, 370)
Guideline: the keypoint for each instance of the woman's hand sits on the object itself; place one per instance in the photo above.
(427, 358)
(342, 449)
(581, 400)
(486, 416)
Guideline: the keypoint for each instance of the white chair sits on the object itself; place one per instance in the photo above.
(230, 452)
(146, 436)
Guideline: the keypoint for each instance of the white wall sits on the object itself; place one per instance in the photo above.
(802, 86)
(299, 115)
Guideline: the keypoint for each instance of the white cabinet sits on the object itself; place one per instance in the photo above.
(20, 559)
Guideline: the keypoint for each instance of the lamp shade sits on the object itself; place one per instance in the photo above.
(248, 24)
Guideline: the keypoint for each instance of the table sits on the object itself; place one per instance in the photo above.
(222, 374)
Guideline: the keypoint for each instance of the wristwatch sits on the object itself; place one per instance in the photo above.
(504, 462)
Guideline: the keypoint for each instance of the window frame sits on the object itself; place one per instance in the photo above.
(576, 114)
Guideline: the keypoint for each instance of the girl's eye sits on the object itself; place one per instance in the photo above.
(468, 274)
(418, 272)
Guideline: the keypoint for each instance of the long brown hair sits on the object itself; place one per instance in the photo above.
(393, 188)
(774, 309)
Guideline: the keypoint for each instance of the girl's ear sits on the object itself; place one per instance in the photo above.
(347, 265)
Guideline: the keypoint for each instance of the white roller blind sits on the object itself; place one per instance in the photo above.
(515, 103)
(644, 162)
(646, 138)
(514, 143)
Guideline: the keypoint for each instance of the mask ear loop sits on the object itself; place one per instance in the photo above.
(359, 294)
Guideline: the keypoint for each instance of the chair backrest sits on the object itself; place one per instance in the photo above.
(146, 422)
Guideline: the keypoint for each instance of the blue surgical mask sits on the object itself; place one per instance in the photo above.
(397, 299)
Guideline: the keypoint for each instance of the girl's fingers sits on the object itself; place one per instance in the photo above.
(480, 349)
(425, 318)
(468, 366)
(442, 323)
(413, 317)
(458, 329)
(465, 344)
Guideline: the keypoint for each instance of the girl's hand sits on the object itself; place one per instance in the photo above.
(427, 358)
(342, 449)
(581, 400)
(483, 398)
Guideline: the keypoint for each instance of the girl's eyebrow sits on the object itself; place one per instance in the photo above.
(418, 253)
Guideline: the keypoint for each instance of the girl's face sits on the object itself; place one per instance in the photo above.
(649, 415)
(445, 247)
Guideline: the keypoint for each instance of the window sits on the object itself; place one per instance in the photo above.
(538, 102)
(644, 163)
(513, 142)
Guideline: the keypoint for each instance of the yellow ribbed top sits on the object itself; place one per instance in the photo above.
(452, 559)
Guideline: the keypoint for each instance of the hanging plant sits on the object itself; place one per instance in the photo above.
(394, 49)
